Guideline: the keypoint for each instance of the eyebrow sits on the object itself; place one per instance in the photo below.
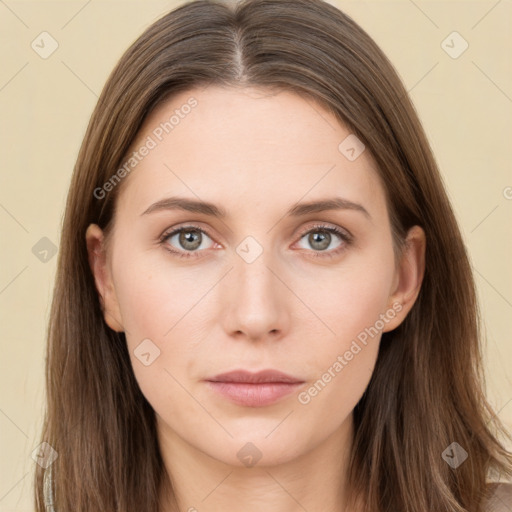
(300, 209)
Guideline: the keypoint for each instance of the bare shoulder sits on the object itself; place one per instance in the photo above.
(500, 497)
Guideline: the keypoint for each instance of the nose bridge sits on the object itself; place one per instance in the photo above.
(254, 275)
(256, 304)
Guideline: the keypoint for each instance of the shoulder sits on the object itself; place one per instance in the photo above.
(500, 497)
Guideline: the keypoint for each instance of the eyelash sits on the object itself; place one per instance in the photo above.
(345, 236)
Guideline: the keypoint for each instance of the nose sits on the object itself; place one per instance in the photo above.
(257, 305)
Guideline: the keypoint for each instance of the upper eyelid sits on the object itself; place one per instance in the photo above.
(327, 226)
(172, 231)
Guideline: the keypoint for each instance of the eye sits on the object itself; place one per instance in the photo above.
(321, 237)
(188, 240)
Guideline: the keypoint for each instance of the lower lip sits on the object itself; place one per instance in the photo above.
(254, 395)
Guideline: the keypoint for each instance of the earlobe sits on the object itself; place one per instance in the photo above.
(409, 276)
(98, 263)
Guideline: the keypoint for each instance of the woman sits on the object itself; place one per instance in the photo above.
(263, 300)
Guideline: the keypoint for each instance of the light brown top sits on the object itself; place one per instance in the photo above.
(500, 499)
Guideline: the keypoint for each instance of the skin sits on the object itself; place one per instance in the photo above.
(256, 154)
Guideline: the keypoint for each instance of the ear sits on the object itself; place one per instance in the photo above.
(408, 277)
(103, 277)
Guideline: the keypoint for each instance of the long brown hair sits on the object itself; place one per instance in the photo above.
(426, 391)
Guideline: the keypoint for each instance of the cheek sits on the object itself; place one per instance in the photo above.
(153, 296)
(143, 300)
(339, 387)
(158, 304)
(352, 303)
(349, 300)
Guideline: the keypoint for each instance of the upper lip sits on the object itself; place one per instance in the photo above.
(255, 378)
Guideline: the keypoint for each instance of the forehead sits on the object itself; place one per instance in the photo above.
(247, 147)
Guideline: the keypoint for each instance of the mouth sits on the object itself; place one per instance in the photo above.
(254, 389)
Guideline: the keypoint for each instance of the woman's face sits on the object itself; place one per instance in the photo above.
(267, 285)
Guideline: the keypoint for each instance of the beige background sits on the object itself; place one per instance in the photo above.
(465, 104)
